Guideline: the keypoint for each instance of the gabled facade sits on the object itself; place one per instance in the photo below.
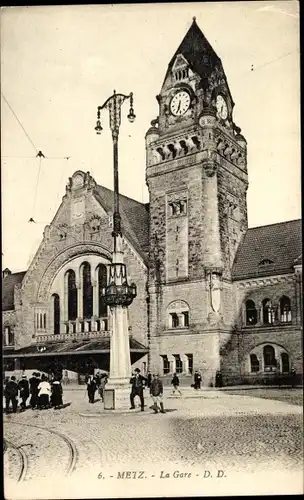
(213, 295)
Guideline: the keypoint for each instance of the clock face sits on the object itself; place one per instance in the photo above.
(221, 107)
(180, 103)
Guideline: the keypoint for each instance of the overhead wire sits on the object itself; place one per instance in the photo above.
(27, 135)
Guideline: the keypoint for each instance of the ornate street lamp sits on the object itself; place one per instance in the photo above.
(118, 291)
(118, 294)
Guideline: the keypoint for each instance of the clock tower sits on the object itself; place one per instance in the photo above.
(196, 172)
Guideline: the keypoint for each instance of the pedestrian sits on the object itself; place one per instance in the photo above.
(103, 382)
(175, 383)
(197, 380)
(156, 392)
(33, 383)
(44, 392)
(98, 379)
(293, 374)
(24, 389)
(11, 394)
(91, 388)
(218, 379)
(149, 378)
(138, 382)
(56, 397)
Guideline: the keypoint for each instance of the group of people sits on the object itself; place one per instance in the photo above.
(47, 392)
(96, 383)
(43, 392)
(154, 383)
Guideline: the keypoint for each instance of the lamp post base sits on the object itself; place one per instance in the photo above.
(117, 397)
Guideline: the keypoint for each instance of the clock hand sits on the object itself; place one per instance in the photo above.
(178, 107)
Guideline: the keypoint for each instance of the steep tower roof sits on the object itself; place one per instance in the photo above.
(198, 52)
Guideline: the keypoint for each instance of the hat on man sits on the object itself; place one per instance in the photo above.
(137, 370)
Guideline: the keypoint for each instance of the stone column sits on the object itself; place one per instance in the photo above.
(185, 361)
(6, 329)
(120, 358)
(172, 362)
(261, 314)
(95, 299)
(65, 299)
(79, 301)
(95, 306)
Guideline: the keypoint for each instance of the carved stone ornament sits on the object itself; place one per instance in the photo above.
(210, 168)
(94, 223)
(215, 292)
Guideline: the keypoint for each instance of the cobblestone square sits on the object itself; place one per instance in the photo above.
(208, 442)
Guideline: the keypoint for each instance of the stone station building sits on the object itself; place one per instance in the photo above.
(212, 294)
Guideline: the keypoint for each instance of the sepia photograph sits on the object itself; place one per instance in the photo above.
(151, 250)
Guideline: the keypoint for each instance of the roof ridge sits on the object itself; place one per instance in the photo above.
(17, 272)
(275, 224)
(120, 194)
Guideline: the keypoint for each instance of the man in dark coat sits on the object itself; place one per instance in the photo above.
(91, 388)
(138, 382)
(23, 387)
(10, 394)
(34, 382)
(197, 380)
(175, 383)
(149, 378)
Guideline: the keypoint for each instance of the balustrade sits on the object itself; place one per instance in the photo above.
(78, 329)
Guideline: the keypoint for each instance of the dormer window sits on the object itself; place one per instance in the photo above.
(266, 262)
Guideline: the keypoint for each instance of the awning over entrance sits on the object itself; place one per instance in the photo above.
(73, 347)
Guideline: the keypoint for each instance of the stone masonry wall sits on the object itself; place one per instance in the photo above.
(237, 345)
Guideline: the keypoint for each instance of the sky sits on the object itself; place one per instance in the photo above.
(58, 63)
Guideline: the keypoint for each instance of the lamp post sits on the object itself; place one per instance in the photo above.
(118, 294)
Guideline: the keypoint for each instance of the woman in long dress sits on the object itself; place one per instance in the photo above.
(44, 392)
(56, 397)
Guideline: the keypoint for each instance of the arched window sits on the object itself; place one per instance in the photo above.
(285, 362)
(178, 314)
(102, 282)
(269, 357)
(269, 312)
(285, 309)
(72, 296)
(87, 290)
(254, 363)
(40, 322)
(44, 320)
(251, 313)
(56, 309)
